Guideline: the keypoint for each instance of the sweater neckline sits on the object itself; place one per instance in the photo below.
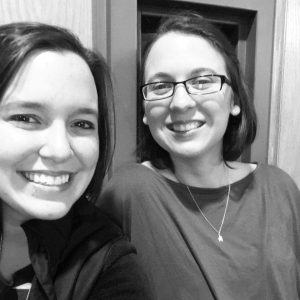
(209, 190)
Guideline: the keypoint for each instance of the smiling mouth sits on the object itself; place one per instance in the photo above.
(45, 179)
(183, 127)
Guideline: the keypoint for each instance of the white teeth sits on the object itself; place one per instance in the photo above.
(186, 126)
(57, 180)
(47, 179)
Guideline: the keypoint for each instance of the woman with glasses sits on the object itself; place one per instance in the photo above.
(206, 225)
(55, 151)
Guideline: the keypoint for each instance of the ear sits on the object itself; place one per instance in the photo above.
(145, 120)
(235, 110)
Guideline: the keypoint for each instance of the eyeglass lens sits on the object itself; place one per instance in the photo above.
(197, 86)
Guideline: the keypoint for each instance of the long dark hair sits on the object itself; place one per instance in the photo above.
(241, 129)
(19, 40)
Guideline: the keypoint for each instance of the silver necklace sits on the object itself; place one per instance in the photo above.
(220, 237)
(27, 297)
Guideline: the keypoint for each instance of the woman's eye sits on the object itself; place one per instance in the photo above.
(24, 118)
(161, 88)
(24, 121)
(84, 125)
(201, 83)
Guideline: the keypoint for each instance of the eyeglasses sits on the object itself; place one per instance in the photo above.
(200, 85)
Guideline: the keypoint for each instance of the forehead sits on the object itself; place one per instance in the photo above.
(54, 77)
(180, 55)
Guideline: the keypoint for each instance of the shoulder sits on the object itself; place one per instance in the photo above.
(122, 276)
(131, 171)
(93, 238)
(118, 248)
(132, 178)
(273, 173)
(276, 183)
(112, 271)
(131, 192)
(260, 171)
(266, 180)
(92, 229)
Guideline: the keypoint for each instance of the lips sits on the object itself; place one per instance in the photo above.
(46, 179)
(186, 126)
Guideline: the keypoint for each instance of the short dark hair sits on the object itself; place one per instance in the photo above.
(241, 129)
(20, 40)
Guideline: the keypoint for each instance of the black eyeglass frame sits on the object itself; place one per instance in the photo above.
(223, 78)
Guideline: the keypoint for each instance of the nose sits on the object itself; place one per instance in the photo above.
(181, 99)
(56, 143)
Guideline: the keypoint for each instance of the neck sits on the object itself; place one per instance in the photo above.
(11, 218)
(202, 173)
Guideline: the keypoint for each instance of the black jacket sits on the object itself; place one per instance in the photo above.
(83, 256)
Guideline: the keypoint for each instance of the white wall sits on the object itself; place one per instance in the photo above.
(72, 14)
(284, 141)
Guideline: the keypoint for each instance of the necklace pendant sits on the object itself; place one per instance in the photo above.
(220, 238)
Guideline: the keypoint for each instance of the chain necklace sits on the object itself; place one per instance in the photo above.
(220, 237)
(27, 297)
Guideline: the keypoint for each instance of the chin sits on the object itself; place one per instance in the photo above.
(53, 211)
(186, 152)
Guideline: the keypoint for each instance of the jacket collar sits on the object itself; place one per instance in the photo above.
(56, 236)
(51, 242)
(46, 241)
(51, 235)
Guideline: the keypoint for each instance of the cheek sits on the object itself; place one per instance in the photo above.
(155, 114)
(14, 146)
(87, 150)
(218, 107)
(156, 119)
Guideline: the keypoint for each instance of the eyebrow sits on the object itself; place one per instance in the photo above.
(39, 106)
(87, 111)
(203, 70)
(24, 104)
(167, 76)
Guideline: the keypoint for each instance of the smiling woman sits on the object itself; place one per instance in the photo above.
(206, 224)
(55, 151)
